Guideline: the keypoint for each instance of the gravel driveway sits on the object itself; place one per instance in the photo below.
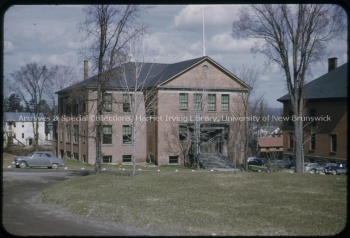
(23, 213)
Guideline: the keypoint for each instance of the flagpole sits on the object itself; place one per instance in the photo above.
(203, 31)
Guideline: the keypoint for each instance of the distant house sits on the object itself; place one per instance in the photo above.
(18, 129)
(325, 121)
(179, 90)
(270, 144)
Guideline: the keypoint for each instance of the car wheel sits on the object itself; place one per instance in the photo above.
(54, 166)
(312, 171)
(334, 172)
(22, 164)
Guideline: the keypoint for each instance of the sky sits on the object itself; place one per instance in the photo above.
(49, 35)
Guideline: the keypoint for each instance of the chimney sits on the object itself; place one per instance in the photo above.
(332, 63)
(86, 69)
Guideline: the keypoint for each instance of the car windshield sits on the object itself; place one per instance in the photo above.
(31, 154)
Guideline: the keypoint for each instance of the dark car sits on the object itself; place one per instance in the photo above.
(336, 169)
(257, 161)
(38, 159)
(280, 163)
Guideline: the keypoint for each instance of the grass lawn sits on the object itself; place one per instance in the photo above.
(207, 203)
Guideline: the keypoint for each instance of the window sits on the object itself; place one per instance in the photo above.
(183, 97)
(225, 99)
(313, 115)
(76, 107)
(290, 140)
(312, 141)
(83, 136)
(107, 106)
(290, 121)
(182, 132)
(107, 135)
(333, 143)
(127, 133)
(76, 156)
(173, 159)
(198, 102)
(76, 133)
(61, 105)
(107, 159)
(22, 125)
(126, 158)
(211, 102)
(127, 102)
(22, 135)
(84, 105)
(68, 107)
(68, 133)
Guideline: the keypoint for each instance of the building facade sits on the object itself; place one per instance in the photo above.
(19, 129)
(170, 109)
(325, 121)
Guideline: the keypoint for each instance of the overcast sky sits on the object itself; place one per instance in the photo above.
(49, 35)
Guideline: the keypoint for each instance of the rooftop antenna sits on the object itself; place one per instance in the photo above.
(203, 31)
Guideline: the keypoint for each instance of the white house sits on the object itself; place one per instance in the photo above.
(18, 129)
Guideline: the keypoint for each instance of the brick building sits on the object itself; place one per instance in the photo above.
(167, 101)
(325, 135)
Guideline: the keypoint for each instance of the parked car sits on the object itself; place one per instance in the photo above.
(336, 169)
(279, 163)
(312, 167)
(251, 158)
(257, 161)
(38, 159)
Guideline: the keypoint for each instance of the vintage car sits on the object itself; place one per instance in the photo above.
(336, 169)
(38, 159)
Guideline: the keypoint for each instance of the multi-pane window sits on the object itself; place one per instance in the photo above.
(225, 105)
(211, 102)
(68, 133)
(76, 133)
(333, 138)
(173, 159)
(107, 159)
(126, 158)
(61, 105)
(127, 134)
(83, 136)
(68, 107)
(127, 102)
(290, 140)
(107, 106)
(22, 135)
(76, 107)
(182, 132)
(107, 135)
(312, 141)
(198, 105)
(183, 100)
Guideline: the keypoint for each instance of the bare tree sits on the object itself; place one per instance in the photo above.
(63, 76)
(31, 83)
(108, 28)
(293, 37)
(250, 100)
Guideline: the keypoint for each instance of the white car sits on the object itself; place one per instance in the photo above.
(312, 167)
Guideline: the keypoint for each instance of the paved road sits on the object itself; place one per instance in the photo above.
(24, 214)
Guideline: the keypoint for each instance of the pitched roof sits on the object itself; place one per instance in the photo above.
(332, 85)
(149, 74)
(270, 141)
(22, 116)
